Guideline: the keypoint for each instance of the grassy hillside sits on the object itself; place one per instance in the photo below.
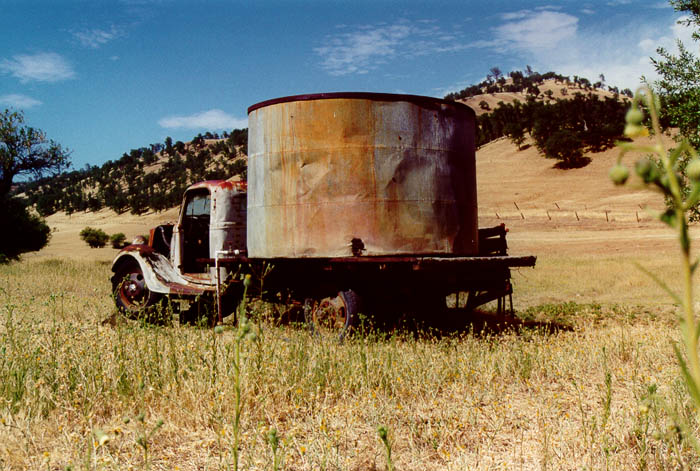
(148, 178)
(549, 90)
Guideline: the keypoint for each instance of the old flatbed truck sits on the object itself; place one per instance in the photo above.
(357, 202)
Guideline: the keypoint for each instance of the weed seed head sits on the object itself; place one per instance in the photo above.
(101, 437)
(643, 167)
(273, 438)
(382, 433)
(619, 174)
(634, 116)
(647, 170)
(693, 170)
(635, 130)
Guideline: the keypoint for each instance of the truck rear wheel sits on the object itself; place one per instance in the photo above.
(132, 296)
(335, 315)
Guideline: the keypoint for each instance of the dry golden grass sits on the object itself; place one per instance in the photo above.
(532, 399)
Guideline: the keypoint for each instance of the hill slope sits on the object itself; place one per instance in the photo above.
(549, 90)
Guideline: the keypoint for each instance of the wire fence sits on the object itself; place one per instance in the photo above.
(558, 213)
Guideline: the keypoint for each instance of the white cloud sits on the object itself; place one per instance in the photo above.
(622, 55)
(540, 30)
(210, 120)
(516, 15)
(16, 100)
(366, 47)
(95, 38)
(555, 41)
(682, 32)
(42, 67)
(359, 51)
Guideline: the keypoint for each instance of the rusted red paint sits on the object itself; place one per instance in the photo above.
(230, 185)
(143, 249)
(189, 290)
(223, 184)
(395, 173)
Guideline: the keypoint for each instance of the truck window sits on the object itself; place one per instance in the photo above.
(195, 231)
(198, 205)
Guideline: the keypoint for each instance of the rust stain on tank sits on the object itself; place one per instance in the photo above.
(395, 173)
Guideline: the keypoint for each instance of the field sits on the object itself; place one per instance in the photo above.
(567, 386)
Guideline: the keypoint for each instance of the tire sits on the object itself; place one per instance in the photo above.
(336, 315)
(132, 296)
(353, 304)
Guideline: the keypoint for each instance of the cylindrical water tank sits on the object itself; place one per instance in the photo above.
(364, 174)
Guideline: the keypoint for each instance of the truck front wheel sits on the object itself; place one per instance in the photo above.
(131, 294)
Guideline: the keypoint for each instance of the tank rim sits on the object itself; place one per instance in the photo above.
(426, 101)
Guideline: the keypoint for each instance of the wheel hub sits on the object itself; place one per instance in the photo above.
(330, 314)
(133, 289)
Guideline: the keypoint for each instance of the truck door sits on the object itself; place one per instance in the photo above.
(195, 231)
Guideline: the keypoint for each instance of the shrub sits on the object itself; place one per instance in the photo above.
(28, 232)
(564, 145)
(117, 240)
(95, 238)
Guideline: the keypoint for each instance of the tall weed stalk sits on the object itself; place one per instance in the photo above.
(661, 171)
(243, 332)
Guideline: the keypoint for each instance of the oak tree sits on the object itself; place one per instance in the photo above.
(25, 150)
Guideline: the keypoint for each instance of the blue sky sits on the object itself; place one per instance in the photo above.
(102, 78)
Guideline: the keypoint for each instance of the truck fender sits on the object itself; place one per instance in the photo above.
(157, 270)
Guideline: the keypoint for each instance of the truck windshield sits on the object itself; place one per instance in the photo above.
(195, 232)
(198, 205)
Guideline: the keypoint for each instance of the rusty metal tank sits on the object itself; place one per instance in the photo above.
(361, 174)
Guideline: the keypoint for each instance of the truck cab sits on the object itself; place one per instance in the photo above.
(212, 220)
(181, 259)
